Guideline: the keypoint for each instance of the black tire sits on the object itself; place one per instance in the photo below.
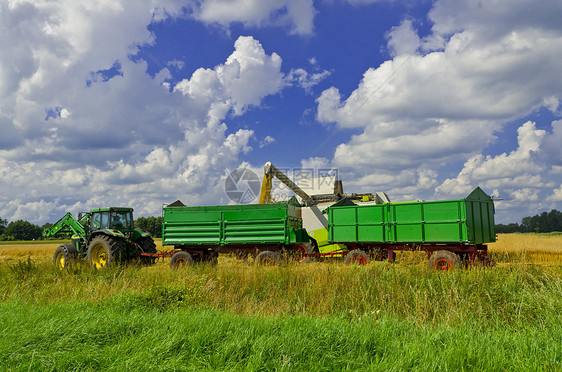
(181, 259)
(357, 257)
(444, 261)
(147, 246)
(268, 258)
(64, 256)
(105, 251)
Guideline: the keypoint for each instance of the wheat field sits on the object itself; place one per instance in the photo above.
(538, 249)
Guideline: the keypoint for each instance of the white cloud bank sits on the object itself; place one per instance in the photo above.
(296, 14)
(83, 125)
(483, 65)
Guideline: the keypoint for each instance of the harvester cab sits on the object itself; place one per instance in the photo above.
(102, 236)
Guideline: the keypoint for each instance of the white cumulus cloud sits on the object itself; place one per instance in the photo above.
(296, 14)
(83, 125)
(443, 98)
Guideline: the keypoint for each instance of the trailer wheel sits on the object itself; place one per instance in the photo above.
(104, 251)
(357, 257)
(444, 261)
(64, 256)
(268, 258)
(181, 259)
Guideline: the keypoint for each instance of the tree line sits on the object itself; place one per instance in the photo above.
(25, 230)
(541, 223)
(151, 224)
(19, 230)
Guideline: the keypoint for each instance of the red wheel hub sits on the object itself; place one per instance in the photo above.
(359, 260)
(443, 265)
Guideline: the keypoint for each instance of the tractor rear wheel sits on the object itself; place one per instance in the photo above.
(64, 256)
(181, 259)
(444, 261)
(268, 258)
(105, 251)
(147, 246)
(357, 257)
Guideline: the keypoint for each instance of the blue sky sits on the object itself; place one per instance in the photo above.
(139, 103)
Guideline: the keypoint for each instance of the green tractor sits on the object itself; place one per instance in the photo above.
(103, 236)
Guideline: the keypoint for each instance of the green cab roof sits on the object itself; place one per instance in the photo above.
(111, 209)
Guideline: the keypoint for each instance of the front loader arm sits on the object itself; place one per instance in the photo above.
(67, 225)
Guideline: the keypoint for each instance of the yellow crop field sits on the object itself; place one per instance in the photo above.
(540, 249)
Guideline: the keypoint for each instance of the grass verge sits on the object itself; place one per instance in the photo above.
(118, 336)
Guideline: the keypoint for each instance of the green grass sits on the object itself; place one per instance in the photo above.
(515, 295)
(319, 316)
(120, 336)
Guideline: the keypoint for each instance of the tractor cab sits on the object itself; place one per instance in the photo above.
(111, 218)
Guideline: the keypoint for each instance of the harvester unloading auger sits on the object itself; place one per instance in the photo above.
(314, 220)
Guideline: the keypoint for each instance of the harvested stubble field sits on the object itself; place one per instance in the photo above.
(319, 316)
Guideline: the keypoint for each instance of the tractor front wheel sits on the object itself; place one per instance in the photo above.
(104, 251)
(64, 255)
(444, 261)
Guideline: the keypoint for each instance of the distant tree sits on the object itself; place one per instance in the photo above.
(23, 230)
(544, 223)
(507, 229)
(3, 224)
(151, 224)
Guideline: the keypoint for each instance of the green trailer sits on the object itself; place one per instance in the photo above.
(452, 232)
(262, 231)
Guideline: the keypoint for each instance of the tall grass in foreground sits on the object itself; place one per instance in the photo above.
(319, 316)
(518, 295)
(116, 336)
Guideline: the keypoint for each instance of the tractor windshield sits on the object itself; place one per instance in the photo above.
(121, 220)
(112, 220)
